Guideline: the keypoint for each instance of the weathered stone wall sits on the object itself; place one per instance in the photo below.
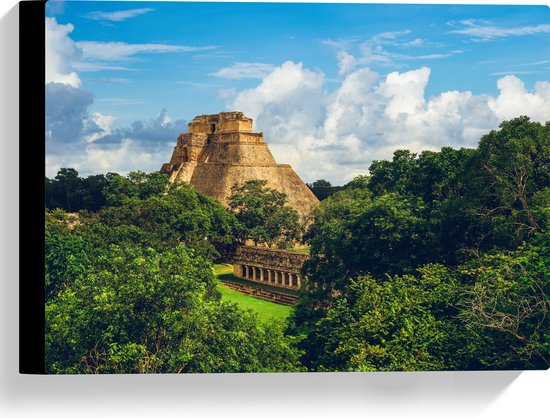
(216, 180)
(238, 154)
(281, 260)
(214, 162)
(190, 139)
(238, 137)
(234, 125)
(221, 122)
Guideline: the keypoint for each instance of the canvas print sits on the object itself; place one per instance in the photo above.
(286, 187)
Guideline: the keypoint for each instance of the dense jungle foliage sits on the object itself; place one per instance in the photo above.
(432, 261)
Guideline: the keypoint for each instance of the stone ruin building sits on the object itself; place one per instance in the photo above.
(274, 267)
(221, 150)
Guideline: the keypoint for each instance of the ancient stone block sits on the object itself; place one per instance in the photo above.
(221, 150)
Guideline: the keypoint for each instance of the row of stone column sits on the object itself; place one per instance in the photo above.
(269, 276)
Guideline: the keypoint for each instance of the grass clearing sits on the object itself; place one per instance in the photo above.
(266, 310)
(305, 250)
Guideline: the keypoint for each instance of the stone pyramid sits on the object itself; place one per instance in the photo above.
(221, 150)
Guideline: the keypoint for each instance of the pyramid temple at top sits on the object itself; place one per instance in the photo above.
(221, 150)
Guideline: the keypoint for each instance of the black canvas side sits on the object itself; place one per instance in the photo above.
(31, 186)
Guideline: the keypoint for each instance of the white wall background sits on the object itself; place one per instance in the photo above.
(460, 394)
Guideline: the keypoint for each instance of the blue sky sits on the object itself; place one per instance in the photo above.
(137, 71)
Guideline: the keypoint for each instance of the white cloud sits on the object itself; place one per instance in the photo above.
(346, 62)
(498, 73)
(123, 157)
(93, 66)
(103, 126)
(160, 129)
(54, 7)
(414, 43)
(337, 135)
(97, 147)
(432, 56)
(114, 51)
(117, 16)
(242, 70)
(88, 142)
(288, 85)
(66, 112)
(61, 52)
(514, 98)
(527, 64)
(385, 50)
(484, 31)
(385, 36)
(405, 92)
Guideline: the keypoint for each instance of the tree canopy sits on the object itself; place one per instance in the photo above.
(130, 286)
(434, 261)
(263, 215)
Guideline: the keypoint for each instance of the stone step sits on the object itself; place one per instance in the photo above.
(246, 288)
(260, 293)
(263, 295)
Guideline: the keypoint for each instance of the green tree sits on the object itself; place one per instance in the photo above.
(92, 192)
(136, 185)
(392, 176)
(70, 192)
(390, 324)
(180, 214)
(354, 234)
(263, 215)
(141, 311)
(358, 182)
(504, 305)
(67, 256)
(516, 160)
(322, 188)
(64, 191)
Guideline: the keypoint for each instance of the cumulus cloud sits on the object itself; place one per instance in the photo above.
(121, 158)
(513, 96)
(67, 103)
(101, 126)
(61, 53)
(99, 148)
(158, 130)
(336, 135)
(66, 112)
(288, 83)
(287, 100)
(87, 141)
(324, 134)
(346, 62)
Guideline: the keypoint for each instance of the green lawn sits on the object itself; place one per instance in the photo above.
(265, 310)
(301, 250)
